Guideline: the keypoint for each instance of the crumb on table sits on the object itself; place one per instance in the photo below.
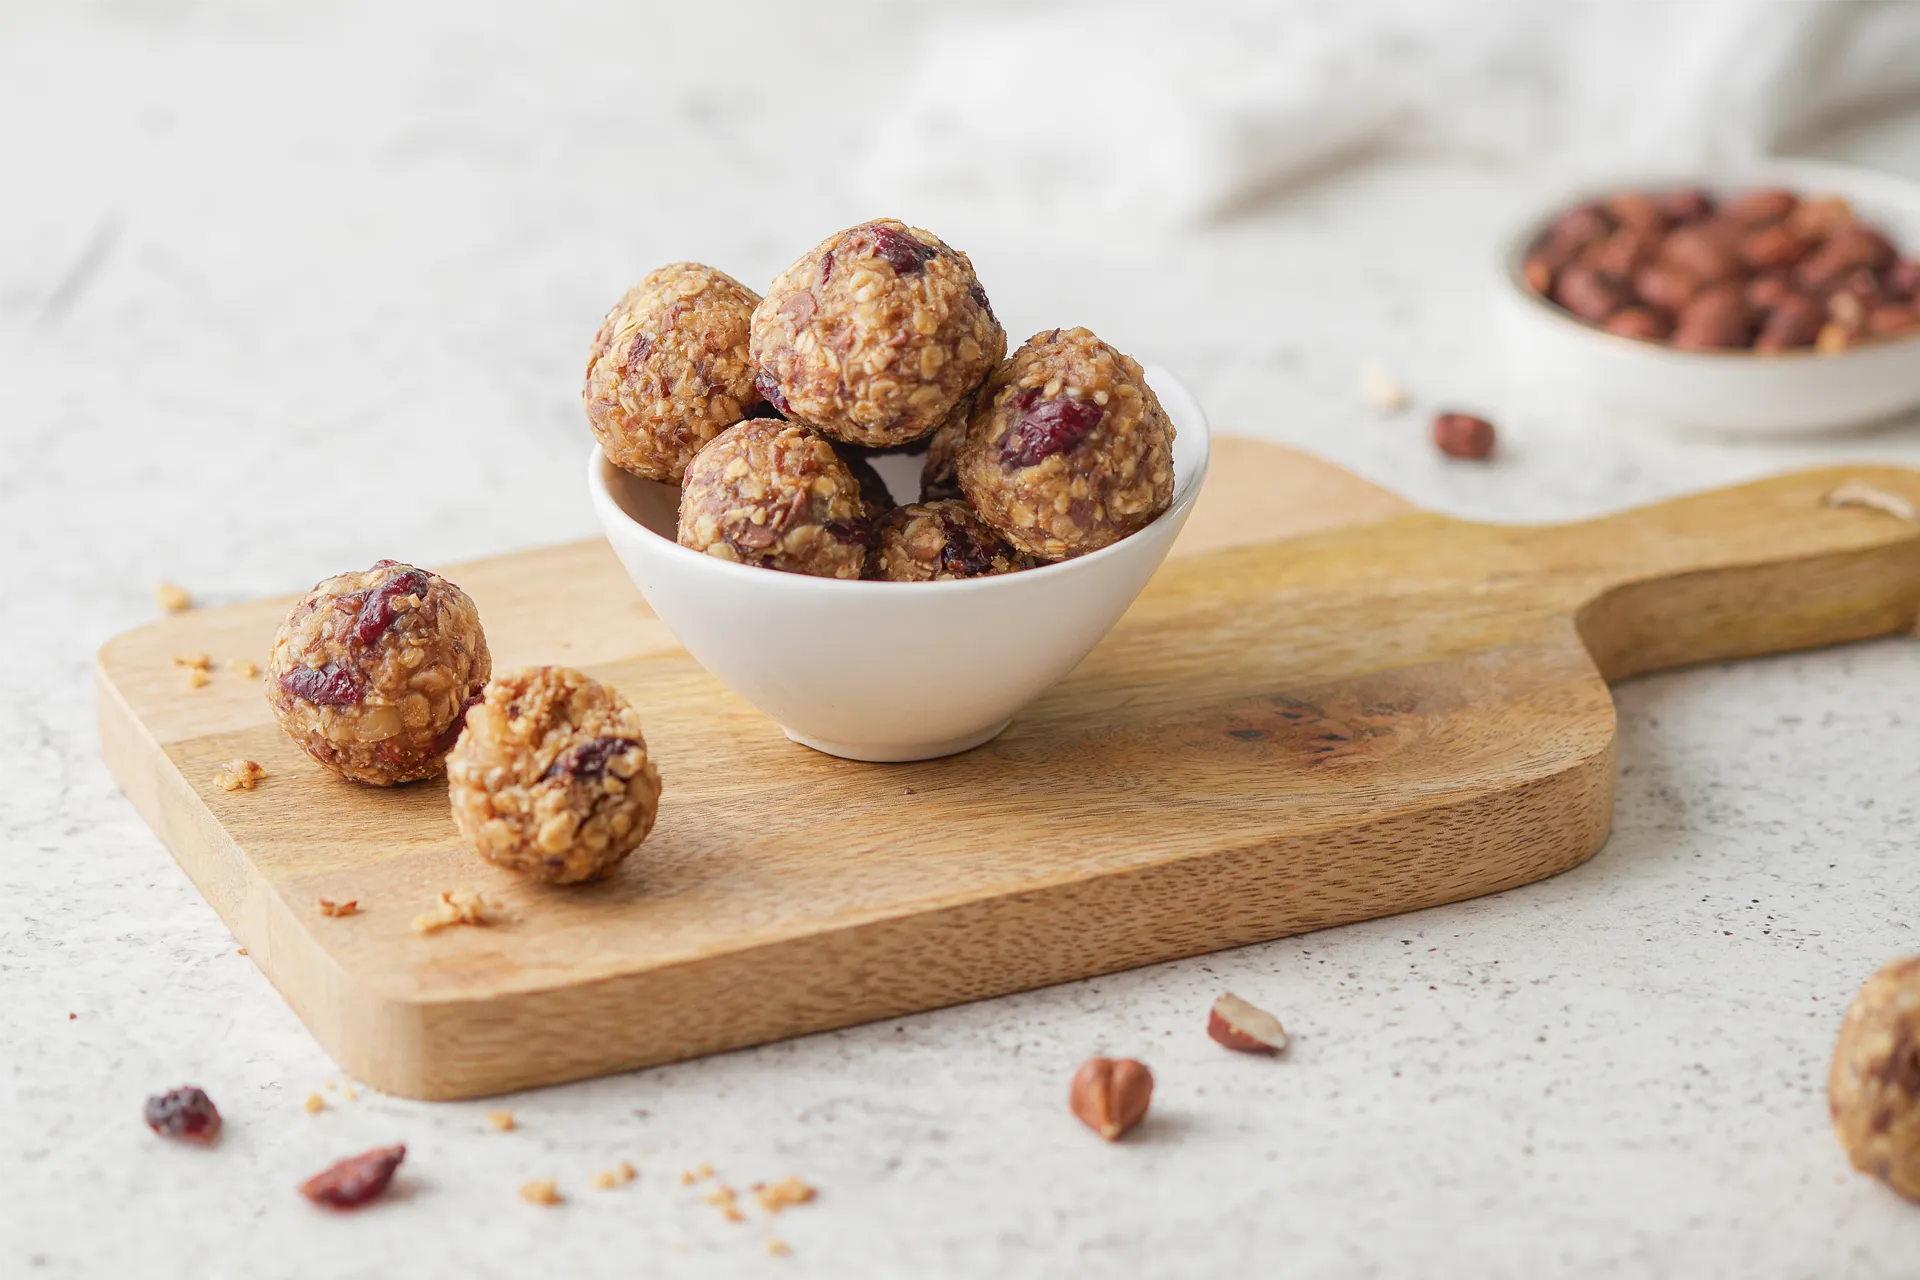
(618, 1176)
(238, 775)
(194, 661)
(172, 598)
(328, 907)
(459, 906)
(502, 1120)
(196, 678)
(540, 1191)
(778, 1248)
(782, 1194)
(315, 1104)
(241, 667)
(723, 1198)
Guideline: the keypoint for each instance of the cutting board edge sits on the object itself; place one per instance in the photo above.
(365, 1026)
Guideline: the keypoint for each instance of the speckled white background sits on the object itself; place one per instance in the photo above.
(286, 290)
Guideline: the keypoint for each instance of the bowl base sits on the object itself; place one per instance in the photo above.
(895, 753)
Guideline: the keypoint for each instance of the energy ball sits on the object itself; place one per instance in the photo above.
(776, 495)
(551, 778)
(874, 335)
(938, 477)
(669, 369)
(371, 671)
(1068, 449)
(1874, 1089)
(935, 541)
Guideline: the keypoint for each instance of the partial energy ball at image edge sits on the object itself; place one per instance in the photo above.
(873, 335)
(1068, 449)
(669, 369)
(775, 495)
(552, 778)
(371, 672)
(1873, 1090)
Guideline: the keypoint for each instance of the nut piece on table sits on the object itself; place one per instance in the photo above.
(371, 672)
(1461, 435)
(1111, 1095)
(669, 369)
(1243, 1028)
(1873, 1091)
(552, 778)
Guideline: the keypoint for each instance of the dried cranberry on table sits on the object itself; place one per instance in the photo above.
(356, 1180)
(186, 1112)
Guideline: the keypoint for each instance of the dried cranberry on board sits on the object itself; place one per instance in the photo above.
(186, 1112)
(1462, 435)
(356, 1180)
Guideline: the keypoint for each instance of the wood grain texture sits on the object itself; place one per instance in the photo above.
(1386, 710)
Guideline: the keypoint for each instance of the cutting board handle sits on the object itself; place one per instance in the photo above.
(1794, 562)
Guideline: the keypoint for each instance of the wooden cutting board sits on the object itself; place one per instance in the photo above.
(1384, 711)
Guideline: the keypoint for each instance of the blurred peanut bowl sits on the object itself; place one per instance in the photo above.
(1554, 352)
(891, 671)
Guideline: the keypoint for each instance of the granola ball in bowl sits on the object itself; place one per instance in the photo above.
(1780, 298)
(892, 670)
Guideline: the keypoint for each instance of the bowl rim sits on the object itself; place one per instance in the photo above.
(1876, 183)
(1186, 492)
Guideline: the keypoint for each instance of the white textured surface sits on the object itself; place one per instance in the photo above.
(284, 293)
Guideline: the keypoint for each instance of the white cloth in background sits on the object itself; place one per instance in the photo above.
(1175, 114)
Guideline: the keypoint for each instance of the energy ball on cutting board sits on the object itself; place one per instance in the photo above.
(551, 778)
(371, 672)
(1874, 1089)
(669, 369)
(1068, 449)
(874, 335)
(776, 495)
(936, 541)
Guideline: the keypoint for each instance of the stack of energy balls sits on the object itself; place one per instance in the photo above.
(765, 412)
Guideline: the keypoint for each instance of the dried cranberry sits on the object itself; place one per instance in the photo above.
(770, 392)
(857, 529)
(964, 555)
(826, 266)
(186, 1112)
(354, 1181)
(637, 354)
(377, 612)
(588, 759)
(902, 252)
(1049, 427)
(330, 686)
(979, 295)
(451, 734)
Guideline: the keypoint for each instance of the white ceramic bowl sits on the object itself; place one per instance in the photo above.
(1557, 355)
(890, 670)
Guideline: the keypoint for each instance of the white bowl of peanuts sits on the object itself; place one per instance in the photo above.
(1780, 298)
